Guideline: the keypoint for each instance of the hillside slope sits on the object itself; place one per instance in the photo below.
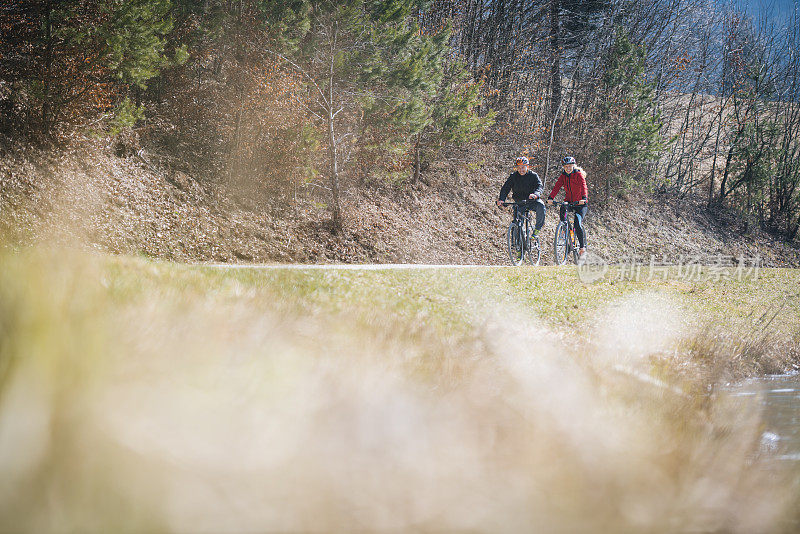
(129, 205)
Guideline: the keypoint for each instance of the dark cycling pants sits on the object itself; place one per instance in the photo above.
(580, 215)
(537, 205)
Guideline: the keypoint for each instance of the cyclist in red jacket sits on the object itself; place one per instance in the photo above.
(573, 179)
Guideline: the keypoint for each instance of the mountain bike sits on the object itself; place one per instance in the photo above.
(565, 241)
(520, 238)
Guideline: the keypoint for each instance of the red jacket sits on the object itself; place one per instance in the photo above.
(574, 185)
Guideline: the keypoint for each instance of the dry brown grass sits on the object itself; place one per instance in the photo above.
(157, 397)
(122, 205)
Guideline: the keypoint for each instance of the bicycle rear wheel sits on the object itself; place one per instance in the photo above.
(560, 248)
(516, 251)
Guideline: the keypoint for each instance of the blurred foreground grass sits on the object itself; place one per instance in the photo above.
(149, 396)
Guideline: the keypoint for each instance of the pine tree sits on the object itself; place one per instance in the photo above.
(327, 39)
(370, 57)
(455, 116)
(432, 97)
(135, 39)
(65, 61)
(631, 130)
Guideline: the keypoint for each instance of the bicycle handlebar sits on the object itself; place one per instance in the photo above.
(567, 203)
(518, 202)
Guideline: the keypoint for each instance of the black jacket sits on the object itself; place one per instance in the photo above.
(522, 185)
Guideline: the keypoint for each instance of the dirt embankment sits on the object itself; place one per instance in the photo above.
(130, 205)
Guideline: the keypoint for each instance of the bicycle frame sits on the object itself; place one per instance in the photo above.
(524, 228)
(522, 221)
(571, 227)
(571, 239)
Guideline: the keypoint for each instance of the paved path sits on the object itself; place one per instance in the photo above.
(342, 266)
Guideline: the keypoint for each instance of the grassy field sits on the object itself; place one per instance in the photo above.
(141, 395)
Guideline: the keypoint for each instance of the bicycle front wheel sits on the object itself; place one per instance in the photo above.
(574, 246)
(516, 250)
(560, 248)
(534, 250)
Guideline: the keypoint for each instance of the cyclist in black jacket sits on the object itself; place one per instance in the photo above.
(525, 185)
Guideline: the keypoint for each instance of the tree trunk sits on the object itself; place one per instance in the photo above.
(792, 233)
(336, 213)
(47, 78)
(724, 182)
(234, 153)
(332, 152)
(731, 149)
(555, 65)
(417, 159)
(716, 150)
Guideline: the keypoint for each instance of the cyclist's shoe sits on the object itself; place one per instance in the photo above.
(535, 232)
